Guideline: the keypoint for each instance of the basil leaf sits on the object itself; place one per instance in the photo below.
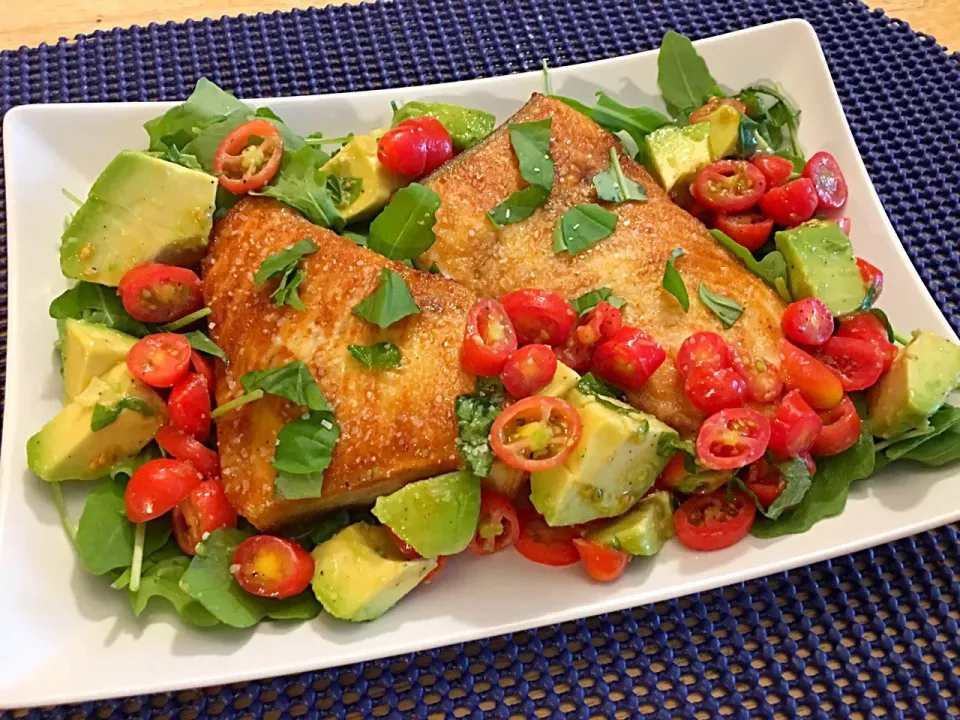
(355, 237)
(882, 316)
(162, 580)
(404, 229)
(682, 75)
(303, 186)
(611, 115)
(390, 302)
(475, 415)
(292, 381)
(96, 304)
(772, 269)
(379, 356)
(590, 384)
(581, 227)
(199, 341)
(669, 443)
(613, 186)
(106, 415)
(519, 206)
(285, 265)
(729, 311)
(304, 450)
(531, 144)
(589, 300)
(673, 283)
(797, 482)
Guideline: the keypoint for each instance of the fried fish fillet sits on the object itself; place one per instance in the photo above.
(492, 261)
(395, 425)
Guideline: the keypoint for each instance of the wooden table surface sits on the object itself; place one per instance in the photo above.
(31, 22)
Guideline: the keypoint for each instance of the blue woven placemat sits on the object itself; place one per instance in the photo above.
(868, 635)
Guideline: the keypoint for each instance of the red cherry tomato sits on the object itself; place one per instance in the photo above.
(714, 521)
(728, 186)
(628, 358)
(272, 567)
(602, 563)
(157, 486)
(858, 363)
(406, 549)
(747, 227)
(248, 157)
(182, 446)
(160, 360)
(765, 481)
(189, 406)
(155, 293)
(403, 150)
(536, 433)
(673, 473)
(841, 429)
(732, 438)
(872, 277)
(817, 383)
(704, 112)
(439, 142)
(704, 350)
(867, 326)
(529, 370)
(489, 338)
(713, 390)
(203, 367)
(794, 426)
(828, 179)
(543, 544)
(762, 378)
(575, 355)
(498, 527)
(807, 322)
(775, 169)
(599, 324)
(791, 204)
(204, 510)
(539, 316)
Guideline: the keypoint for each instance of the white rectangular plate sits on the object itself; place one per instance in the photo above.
(76, 639)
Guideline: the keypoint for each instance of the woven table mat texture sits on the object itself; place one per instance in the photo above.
(867, 635)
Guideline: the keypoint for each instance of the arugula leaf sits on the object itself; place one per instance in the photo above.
(797, 482)
(330, 525)
(355, 237)
(204, 145)
(96, 304)
(748, 137)
(519, 206)
(379, 356)
(917, 444)
(292, 381)
(590, 384)
(589, 300)
(286, 266)
(404, 229)
(162, 580)
(773, 112)
(475, 415)
(670, 443)
(389, 303)
(581, 227)
(772, 269)
(673, 283)
(303, 186)
(727, 310)
(199, 341)
(344, 190)
(304, 450)
(125, 468)
(531, 144)
(185, 321)
(208, 580)
(611, 115)
(682, 75)
(207, 104)
(106, 415)
(175, 156)
(613, 186)
(882, 316)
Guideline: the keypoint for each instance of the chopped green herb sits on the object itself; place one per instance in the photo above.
(379, 356)
(303, 186)
(199, 341)
(613, 186)
(304, 450)
(673, 283)
(581, 227)
(772, 269)
(292, 381)
(106, 415)
(589, 300)
(390, 302)
(531, 144)
(185, 321)
(519, 206)
(404, 229)
(475, 415)
(727, 310)
(285, 265)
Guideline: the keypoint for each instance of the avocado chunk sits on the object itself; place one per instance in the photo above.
(917, 384)
(467, 126)
(643, 530)
(89, 350)
(358, 159)
(613, 465)
(821, 264)
(360, 573)
(677, 154)
(724, 132)
(141, 209)
(564, 380)
(67, 448)
(437, 516)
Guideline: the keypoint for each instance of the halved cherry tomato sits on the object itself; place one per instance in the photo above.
(728, 186)
(747, 227)
(529, 370)
(489, 338)
(160, 360)
(828, 179)
(432, 575)
(791, 204)
(539, 316)
(597, 325)
(817, 383)
(872, 277)
(403, 150)
(765, 481)
(203, 367)
(673, 473)
(808, 461)
(841, 429)
(182, 446)
(762, 378)
(867, 326)
(602, 563)
(775, 169)
(410, 554)
(498, 527)
(732, 438)
(272, 567)
(543, 544)
(628, 358)
(858, 363)
(204, 510)
(714, 521)
(794, 426)
(189, 406)
(704, 112)
(439, 142)
(713, 390)
(248, 157)
(674, 477)
(807, 322)
(704, 350)
(157, 486)
(536, 433)
(156, 293)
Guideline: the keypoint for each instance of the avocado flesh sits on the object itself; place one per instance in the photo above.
(467, 126)
(643, 530)
(141, 209)
(358, 159)
(677, 154)
(66, 448)
(89, 350)
(821, 264)
(360, 573)
(437, 516)
(564, 380)
(917, 384)
(724, 132)
(610, 469)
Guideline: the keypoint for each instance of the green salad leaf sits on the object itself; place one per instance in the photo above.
(475, 415)
(304, 450)
(581, 227)
(379, 356)
(175, 156)
(772, 269)
(934, 445)
(199, 341)
(344, 191)
(389, 303)
(531, 144)
(727, 310)
(589, 300)
(519, 206)
(670, 443)
(797, 482)
(882, 316)
(682, 75)
(673, 283)
(286, 265)
(96, 304)
(609, 114)
(106, 415)
(206, 106)
(404, 229)
(330, 525)
(161, 579)
(303, 186)
(292, 381)
(613, 186)
(128, 465)
(775, 120)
